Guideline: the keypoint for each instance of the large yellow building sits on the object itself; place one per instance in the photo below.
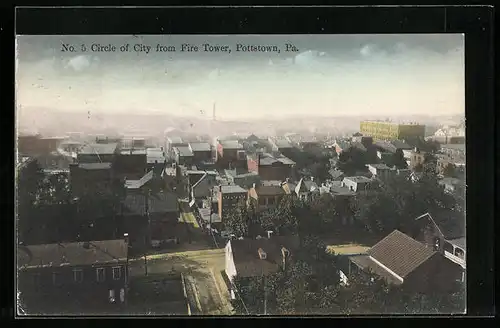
(391, 131)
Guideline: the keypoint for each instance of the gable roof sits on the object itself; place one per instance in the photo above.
(305, 186)
(400, 144)
(246, 257)
(183, 151)
(400, 253)
(268, 159)
(51, 255)
(335, 174)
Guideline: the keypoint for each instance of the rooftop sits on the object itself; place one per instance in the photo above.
(101, 149)
(282, 143)
(358, 179)
(136, 184)
(94, 166)
(380, 166)
(305, 186)
(268, 159)
(155, 155)
(460, 242)
(268, 190)
(175, 140)
(183, 151)
(73, 254)
(231, 144)
(232, 189)
(135, 151)
(400, 253)
(200, 146)
(246, 254)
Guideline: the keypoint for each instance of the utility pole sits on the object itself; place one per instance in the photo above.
(145, 264)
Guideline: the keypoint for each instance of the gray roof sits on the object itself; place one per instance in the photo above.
(183, 151)
(459, 147)
(282, 143)
(232, 189)
(268, 159)
(200, 146)
(400, 253)
(205, 215)
(380, 166)
(136, 151)
(305, 186)
(400, 144)
(163, 203)
(246, 257)
(358, 179)
(335, 173)
(231, 144)
(175, 140)
(73, 254)
(101, 149)
(460, 242)
(94, 166)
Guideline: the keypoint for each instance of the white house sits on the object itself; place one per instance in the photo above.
(357, 183)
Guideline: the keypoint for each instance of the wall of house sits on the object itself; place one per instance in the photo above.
(200, 156)
(275, 172)
(82, 181)
(436, 274)
(89, 289)
(230, 267)
(132, 166)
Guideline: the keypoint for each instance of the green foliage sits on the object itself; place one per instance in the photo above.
(238, 219)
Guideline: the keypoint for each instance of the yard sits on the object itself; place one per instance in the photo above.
(157, 293)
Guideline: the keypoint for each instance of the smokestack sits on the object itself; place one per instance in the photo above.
(269, 234)
(125, 238)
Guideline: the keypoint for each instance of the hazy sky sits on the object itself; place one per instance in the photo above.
(330, 75)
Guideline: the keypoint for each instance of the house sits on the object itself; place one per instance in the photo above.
(156, 159)
(453, 149)
(336, 175)
(131, 163)
(202, 152)
(289, 187)
(306, 188)
(341, 145)
(36, 145)
(280, 145)
(201, 183)
(336, 189)
(357, 183)
(245, 180)
(98, 153)
(229, 197)
(444, 234)
(258, 257)
(173, 141)
(230, 154)
(381, 170)
(87, 178)
(270, 167)
(265, 196)
(152, 219)
(401, 260)
(453, 185)
(449, 164)
(417, 159)
(85, 273)
(183, 155)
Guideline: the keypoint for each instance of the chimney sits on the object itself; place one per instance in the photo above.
(262, 254)
(284, 254)
(253, 185)
(125, 238)
(269, 233)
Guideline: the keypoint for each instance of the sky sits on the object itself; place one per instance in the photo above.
(328, 75)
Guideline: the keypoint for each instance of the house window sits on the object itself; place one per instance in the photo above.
(56, 278)
(460, 253)
(117, 273)
(78, 275)
(101, 274)
(271, 201)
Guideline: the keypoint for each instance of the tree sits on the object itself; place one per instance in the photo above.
(399, 160)
(237, 219)
(449, 170)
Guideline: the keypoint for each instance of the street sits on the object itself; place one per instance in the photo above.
(205, 288)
